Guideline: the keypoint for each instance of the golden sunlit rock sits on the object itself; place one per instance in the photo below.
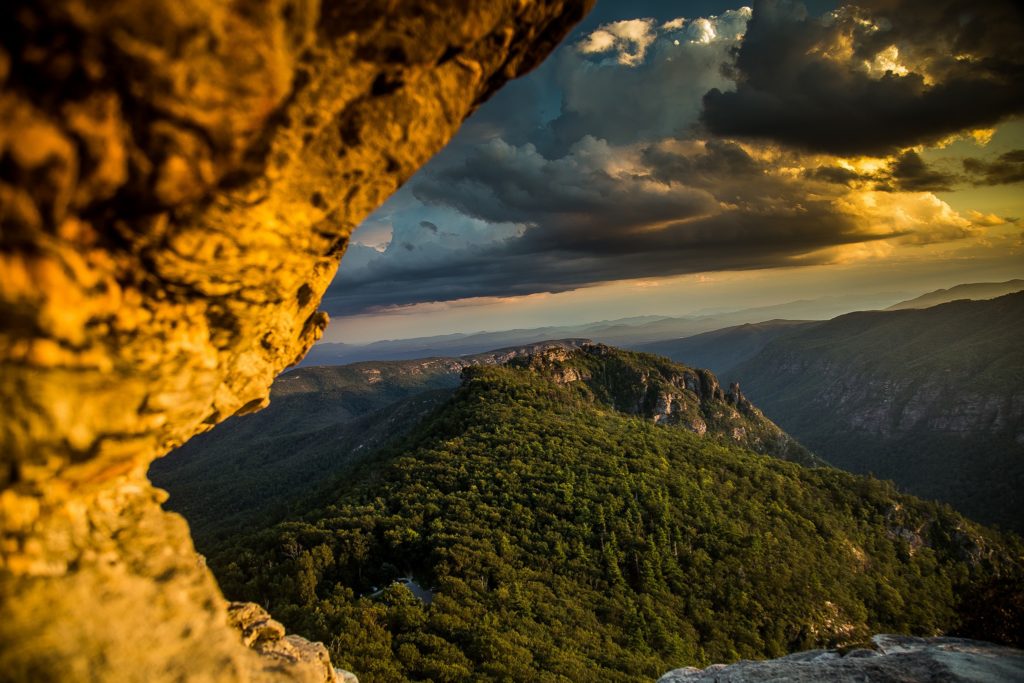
(178, 182)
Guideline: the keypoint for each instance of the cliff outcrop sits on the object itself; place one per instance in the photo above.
(666, 393)
(890, 658)
(178, 181)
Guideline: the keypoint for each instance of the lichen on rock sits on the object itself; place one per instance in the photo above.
(178, 181)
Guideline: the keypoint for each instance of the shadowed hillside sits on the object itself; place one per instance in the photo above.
(722, 350)
(932, 399)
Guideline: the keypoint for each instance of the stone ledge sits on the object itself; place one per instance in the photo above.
(892, 658)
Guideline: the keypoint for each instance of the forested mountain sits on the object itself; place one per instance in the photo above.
(320, 420)
(722, 350)
(932, 399)
(974, 290)
(572, 524)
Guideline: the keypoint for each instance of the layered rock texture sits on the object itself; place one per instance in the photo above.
(266, 636)
(893, 659)
(177, 184)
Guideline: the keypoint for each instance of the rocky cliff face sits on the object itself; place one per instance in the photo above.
(890, 658)
(177, 185)
(886, 406)
(666, 393)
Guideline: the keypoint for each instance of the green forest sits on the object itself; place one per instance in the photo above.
(564, 540)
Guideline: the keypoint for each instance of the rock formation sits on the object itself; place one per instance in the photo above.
(266, 637)
(666, 393)
(891, 658)
(178, 180)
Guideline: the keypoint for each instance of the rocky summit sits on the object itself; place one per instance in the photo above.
(890, 659)
(666, 393)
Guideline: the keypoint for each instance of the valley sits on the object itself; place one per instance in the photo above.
(932, 399)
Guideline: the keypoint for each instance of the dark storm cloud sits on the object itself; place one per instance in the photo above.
(517, 268)
(1007, 169)
(722, 159)
(624, 156)
(794, 89)
(499, 183)
(910, 173)
(836, 175)
(584, 225)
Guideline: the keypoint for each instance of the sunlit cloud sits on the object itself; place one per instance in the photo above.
(986, 219)
(628, 40)
(754, 139)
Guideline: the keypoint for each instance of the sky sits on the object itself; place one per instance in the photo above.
(674, 157)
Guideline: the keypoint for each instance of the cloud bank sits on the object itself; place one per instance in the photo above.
(757, 138)
(875, 77)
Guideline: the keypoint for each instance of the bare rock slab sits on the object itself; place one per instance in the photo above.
(893, 659)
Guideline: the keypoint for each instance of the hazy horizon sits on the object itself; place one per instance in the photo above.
(451, 324)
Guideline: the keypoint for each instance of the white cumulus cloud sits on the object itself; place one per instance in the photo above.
(628, 39)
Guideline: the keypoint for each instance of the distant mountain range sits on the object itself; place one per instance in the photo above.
(625, 332)
(581, 512)
(976, 291)
(648, 333)
(931, 398)
(722, 350)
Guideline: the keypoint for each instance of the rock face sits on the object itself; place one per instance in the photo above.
(893, 658)
(177, 184)
(266, 637)
(665, 393)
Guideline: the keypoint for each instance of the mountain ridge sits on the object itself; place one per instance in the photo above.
(323, 420)
(932, 398)
(562, 537)
(722, 349)
(625, 332)
(970, 291)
